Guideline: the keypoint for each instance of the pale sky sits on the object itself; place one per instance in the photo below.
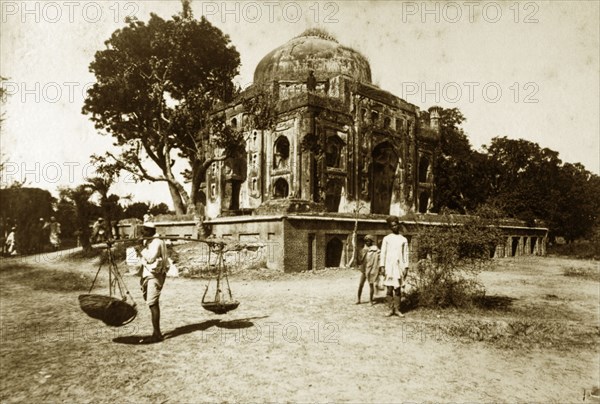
(525, 70)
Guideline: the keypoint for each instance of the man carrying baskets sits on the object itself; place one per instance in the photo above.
(155, 264)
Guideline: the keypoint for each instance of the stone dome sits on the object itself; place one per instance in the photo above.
(312, 50)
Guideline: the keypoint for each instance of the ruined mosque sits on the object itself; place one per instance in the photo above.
(331, 151)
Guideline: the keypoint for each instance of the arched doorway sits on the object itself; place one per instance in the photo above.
(423, 168)
(234, 188)
(533, 245)
(423, 202)
(334, 152)
(385, 160)
(281, 189)
(514, 247)
(333, 195)
(281, 153)
(333, 252)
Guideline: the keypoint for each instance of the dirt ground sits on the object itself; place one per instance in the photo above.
(301, 338)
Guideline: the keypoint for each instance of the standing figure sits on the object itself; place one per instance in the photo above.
(369, 267)
(394, 261)
(98, 231)
(155, 264)
(55, 232)
(10, 243)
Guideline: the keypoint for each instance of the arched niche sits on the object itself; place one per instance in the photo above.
(281, 189)
(333, 252)
(423, 201)
(281, 153)
(423, 168)
(383, 171)
(334, 152)
(333, 194)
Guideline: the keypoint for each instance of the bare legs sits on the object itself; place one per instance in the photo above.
(393, 300)
(363, 279)
(155, 312)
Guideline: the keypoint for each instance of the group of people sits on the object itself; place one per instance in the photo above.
(391, 263)
(43, 233)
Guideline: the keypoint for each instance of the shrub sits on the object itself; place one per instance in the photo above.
(581, 250)
(585, 273)
(451, 256)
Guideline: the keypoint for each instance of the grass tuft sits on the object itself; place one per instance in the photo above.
(592, 274)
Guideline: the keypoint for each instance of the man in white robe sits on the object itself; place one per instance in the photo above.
(393, 260)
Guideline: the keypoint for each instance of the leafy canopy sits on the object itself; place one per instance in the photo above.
(156, 85)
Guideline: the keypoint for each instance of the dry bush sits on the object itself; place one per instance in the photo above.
(585, 273)
(452, 255)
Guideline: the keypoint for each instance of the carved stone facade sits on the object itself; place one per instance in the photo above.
(337, 141)
(326, 152)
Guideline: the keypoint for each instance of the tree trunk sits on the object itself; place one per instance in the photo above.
(84, 233)
(178, 204)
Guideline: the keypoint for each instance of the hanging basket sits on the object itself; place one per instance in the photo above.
(220, 307)
(112, 311)
(221, 304)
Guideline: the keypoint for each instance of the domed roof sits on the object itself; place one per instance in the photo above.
(312, 50)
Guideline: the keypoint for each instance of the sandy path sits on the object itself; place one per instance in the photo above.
(293, 339)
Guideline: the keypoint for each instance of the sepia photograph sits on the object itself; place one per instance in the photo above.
(299, 201)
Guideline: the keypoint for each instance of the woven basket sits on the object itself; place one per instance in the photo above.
(110, 310)
(220, 307)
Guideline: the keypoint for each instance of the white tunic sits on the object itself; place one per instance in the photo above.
(154, 257)
(394, 258)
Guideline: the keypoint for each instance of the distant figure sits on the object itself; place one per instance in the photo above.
(78, 234)
(369, 267)
(10, 243)
(311, 81)
(98, 231)
(394, 261)
(55, 232)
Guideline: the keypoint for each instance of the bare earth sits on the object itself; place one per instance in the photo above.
(301, 338)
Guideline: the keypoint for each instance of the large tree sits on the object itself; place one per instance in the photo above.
(136, 210)
(523, 179)
(531, 182)
(157, 83)
(578, 208)
(79, 198)
(459, 170)
(104, 178)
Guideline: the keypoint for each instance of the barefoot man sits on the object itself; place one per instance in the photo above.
(369, 267)
(155, 264)
(394, 261)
